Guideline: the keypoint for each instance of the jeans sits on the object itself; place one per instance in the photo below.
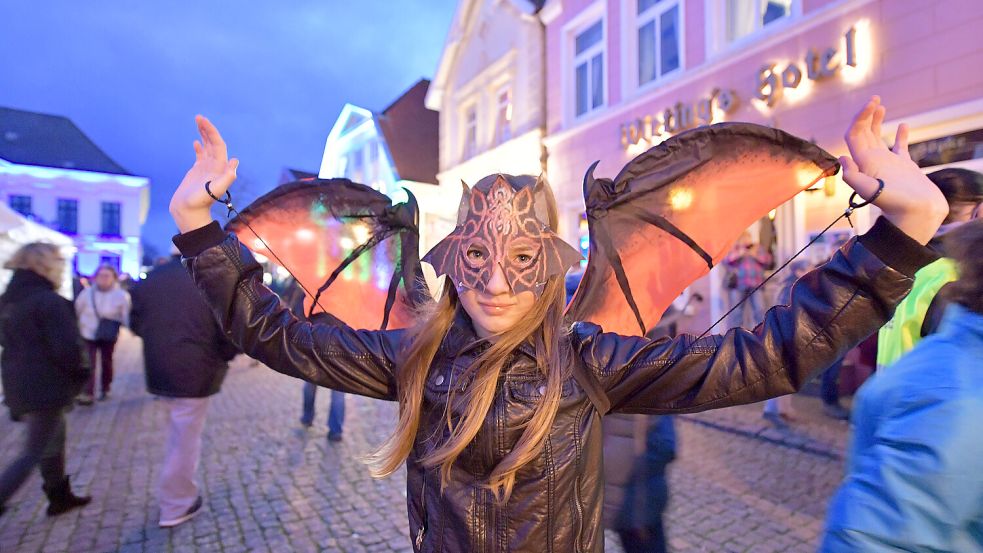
(752, 304)
(177, 489)
(105, 352)
(336, 413)
(831, 394)
(44, 447)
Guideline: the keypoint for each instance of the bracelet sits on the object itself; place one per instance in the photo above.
(227, 200)
(853, 204)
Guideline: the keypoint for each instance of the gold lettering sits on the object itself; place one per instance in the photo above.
(669, 121)
(827, 68)
(792, 76)
(769, 87)
(851, 47)
(812, 64)
(647, 127)
(727, 100)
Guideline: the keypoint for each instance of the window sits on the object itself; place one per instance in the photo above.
(503, 117)
(355, 168)
(68, 216)
(588, 66)
(111, 219)
(373, 170)
(658, 39)
(21, 204)
(470, 132)
(744, 17)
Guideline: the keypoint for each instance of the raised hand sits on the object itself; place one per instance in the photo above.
(190, 204)
(909, 200)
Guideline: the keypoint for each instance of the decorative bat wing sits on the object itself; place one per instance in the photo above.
(345, 243)
(674, 212)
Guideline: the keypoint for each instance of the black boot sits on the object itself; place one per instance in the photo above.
(61, 499)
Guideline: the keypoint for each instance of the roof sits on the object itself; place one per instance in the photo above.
(291, 175)
(40, 139)
(462, 25)
(411, 134)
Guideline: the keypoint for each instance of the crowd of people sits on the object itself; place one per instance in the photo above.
(913, 478)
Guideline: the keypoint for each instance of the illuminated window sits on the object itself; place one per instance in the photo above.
(745, 17)
(470, 132)
(588, 66)
(659, 42)
(111, 212)
(21, 204)
(68, 216)
(355, 168)
(503, 118)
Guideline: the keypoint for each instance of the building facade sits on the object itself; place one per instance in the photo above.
(51, 173)
(624, 75)
(490, 91)
(390, 151)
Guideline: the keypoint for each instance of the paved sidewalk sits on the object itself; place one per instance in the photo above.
(271, 485)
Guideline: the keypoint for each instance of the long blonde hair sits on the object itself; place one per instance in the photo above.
(543, 327)
(41, 258)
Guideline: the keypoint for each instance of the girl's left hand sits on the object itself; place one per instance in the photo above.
(909, 200)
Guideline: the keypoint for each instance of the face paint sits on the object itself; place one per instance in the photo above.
(498, 227)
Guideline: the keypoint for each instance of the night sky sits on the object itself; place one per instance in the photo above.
(273, 76)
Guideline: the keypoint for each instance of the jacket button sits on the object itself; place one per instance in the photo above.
(542, 390)
(439, 380)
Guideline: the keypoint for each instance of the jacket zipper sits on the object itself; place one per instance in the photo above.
(580, 517)
(423, 519)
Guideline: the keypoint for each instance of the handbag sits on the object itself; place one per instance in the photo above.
(108, 329)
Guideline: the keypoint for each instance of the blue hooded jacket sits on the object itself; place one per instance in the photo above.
(914, 479)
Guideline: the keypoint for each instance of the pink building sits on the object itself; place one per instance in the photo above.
(623, 75)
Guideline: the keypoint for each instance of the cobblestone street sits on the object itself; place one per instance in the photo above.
(271, 485)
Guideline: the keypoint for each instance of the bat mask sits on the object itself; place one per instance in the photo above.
(502, 222)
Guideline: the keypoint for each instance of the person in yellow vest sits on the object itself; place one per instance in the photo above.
(919, 314)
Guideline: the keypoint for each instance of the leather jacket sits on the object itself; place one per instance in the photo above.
(557, 499)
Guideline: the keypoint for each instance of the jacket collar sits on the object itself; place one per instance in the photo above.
(962, 324)
(462, 340)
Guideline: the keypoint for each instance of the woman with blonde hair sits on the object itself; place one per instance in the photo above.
(102, 308)
(500, 398)
(42, 370)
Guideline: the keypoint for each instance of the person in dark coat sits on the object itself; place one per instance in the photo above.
(637, 453)
(186, 358)
(42, 369)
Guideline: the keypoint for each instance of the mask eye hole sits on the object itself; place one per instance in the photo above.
(476, 255)
(523, 255)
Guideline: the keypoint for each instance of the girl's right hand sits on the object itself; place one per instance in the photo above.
(191, 205)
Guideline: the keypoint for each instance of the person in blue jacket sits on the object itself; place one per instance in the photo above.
(914, 478)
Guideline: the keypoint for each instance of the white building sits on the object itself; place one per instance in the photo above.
(51, 173)
(392, 150)
(490, 92)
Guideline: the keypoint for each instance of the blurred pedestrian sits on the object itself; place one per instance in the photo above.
(102, 308)
(919, 314)
(293, 296)
(637, 453)
(914, 481)
(778, 411)
(42, 370)
(746, 265)
(185, 358)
